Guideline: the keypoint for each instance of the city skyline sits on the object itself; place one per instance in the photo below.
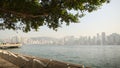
(105, 20)
(78, 36)
(98, 39)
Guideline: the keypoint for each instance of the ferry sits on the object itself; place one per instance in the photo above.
(10, 45)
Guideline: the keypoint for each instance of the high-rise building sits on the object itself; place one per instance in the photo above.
(98, 40)
(103, 40)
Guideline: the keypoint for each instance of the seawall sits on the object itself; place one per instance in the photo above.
(24, 61)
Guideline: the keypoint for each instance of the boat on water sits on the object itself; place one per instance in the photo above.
(10, 45)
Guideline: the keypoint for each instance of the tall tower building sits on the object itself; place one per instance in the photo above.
(98, 42)
(103, 41)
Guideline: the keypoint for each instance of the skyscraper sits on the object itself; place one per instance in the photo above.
(103, 40)
(98, 42)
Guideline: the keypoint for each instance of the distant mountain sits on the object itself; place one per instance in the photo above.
(43, 38)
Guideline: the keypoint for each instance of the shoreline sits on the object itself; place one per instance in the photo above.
(35, 62)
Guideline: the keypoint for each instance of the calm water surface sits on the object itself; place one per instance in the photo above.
(94, 56)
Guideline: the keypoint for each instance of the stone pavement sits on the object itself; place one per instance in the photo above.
(6, 64)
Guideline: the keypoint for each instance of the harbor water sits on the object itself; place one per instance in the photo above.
(95, 56)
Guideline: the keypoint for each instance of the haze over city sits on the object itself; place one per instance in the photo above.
(93, 41)
(98, 39)
(106, 19)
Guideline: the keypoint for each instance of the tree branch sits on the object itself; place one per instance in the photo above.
(20, 14)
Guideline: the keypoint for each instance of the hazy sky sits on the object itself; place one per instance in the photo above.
(106, 19)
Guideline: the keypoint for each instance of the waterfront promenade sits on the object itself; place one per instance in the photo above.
(13, 60)
(6, 64)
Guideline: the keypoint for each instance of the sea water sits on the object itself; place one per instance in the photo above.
(95, 56)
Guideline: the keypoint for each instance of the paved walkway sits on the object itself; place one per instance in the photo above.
(6, 64)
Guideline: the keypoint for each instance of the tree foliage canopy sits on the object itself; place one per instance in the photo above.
(31, 14)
